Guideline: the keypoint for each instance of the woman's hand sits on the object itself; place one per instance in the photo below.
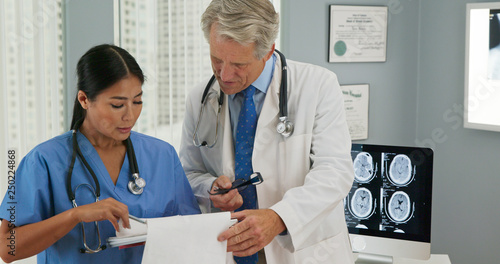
(33, 238)
(107, 209)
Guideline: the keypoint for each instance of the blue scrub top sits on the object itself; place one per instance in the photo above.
(41, 193)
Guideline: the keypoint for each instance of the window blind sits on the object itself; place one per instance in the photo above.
(166, 39)
(31, 77)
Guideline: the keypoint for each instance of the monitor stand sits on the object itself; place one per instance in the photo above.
(364, 258)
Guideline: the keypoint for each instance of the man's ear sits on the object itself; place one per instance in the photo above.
(270, 53)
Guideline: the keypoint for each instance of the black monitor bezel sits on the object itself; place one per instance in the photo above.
(419, 155)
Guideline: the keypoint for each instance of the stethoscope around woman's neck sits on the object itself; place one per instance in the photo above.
(135, 186)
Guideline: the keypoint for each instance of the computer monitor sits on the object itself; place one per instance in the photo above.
(388, 210)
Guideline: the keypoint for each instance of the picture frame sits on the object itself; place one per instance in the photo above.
(356, 104)
(482, 67)
(358, 33)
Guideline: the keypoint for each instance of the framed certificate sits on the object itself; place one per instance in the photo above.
(356, 98)
(358, 33)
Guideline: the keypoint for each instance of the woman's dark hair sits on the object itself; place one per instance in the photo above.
(99, 68)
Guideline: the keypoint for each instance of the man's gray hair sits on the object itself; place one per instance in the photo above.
(244, 21)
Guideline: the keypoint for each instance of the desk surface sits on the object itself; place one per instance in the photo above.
(434, 259)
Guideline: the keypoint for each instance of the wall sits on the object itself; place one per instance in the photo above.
(87, 23)
(393, 84)
(466, 160)
(416, 99)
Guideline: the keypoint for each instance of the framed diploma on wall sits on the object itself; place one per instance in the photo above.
(356, 98)
(358, 33)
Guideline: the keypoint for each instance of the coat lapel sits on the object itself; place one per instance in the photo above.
(265, 125)
(270, 110)
(227, 141)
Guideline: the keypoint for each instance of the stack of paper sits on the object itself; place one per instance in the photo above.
(187, 239)
(178, 239)
(136, 234)
(125, 241)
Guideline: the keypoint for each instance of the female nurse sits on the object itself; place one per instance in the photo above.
(42, 220)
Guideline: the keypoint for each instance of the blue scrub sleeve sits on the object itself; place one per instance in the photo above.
(32, 200)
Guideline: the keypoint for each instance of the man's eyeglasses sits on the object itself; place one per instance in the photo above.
(241, 184)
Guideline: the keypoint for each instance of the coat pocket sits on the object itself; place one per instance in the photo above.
(334, 250)
(295, 154)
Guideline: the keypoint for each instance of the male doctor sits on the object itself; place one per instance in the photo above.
(296, 215)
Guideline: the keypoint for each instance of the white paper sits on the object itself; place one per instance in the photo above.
(124, 236)
(356, 109)
(136, 229)
(187, 239)
(125, 241)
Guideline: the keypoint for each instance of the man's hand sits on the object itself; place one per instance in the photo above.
(255, 230)
(226, 202)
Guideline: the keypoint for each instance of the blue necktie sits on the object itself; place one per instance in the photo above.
(245, 134)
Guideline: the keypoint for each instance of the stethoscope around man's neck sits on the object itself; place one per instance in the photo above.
(284, 126)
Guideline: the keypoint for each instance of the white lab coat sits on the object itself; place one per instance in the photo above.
(306, 176)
